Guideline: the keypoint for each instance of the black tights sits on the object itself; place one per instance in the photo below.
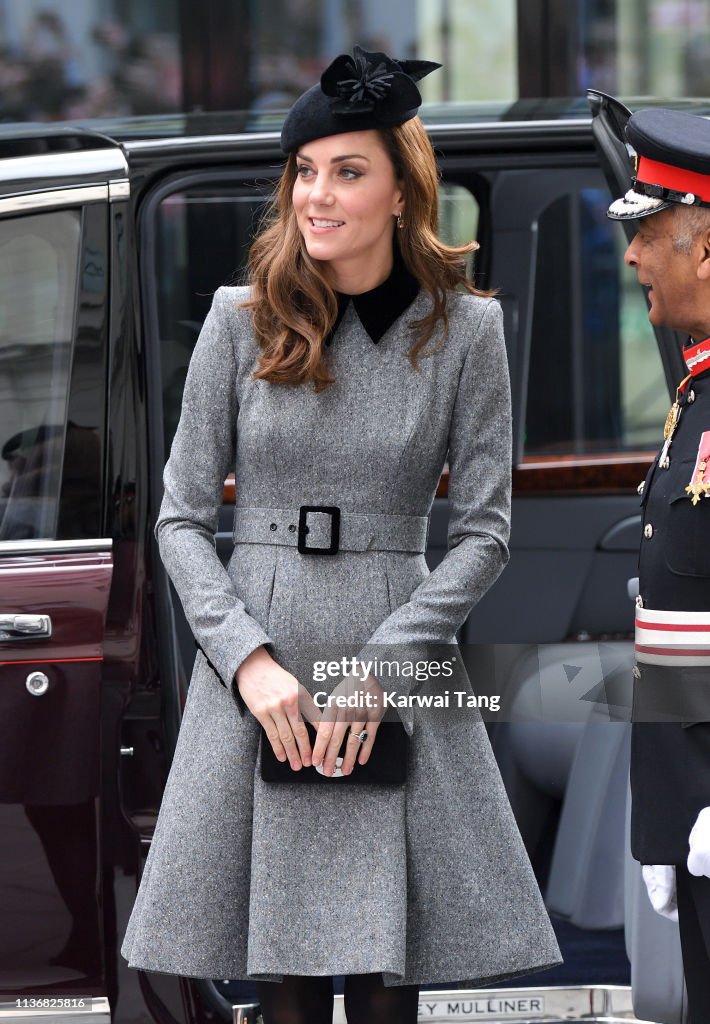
(300, 999)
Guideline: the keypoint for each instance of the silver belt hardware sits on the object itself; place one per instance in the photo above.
(326, 529)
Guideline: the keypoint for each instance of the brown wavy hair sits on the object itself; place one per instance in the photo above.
(294, 307)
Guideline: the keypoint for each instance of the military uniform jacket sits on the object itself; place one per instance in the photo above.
(425, 882)
(670, 760)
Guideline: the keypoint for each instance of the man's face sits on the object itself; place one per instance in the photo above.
(676, 294)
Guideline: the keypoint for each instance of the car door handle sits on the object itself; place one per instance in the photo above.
(24, 627)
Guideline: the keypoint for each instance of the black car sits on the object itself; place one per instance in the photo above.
(113, 239)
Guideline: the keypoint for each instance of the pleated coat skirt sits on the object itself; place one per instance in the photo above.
(424, 882)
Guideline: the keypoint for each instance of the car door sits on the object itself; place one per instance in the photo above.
(586, 375)
(56, 195)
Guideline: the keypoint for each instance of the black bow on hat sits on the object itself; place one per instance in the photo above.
(367, 90)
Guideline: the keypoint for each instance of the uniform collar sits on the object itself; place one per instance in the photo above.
(378, 309)
(697, 356)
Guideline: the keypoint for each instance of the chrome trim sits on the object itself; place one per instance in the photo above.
(200, 140)
(119, 190)
(88, 163)
(589, 1003)
(16, 626)
(37, 684)
(96, 1010)
(246, 1013)
(607, 1003)
(481, 127)
(54, 547)
(432, 127)
(49, 198)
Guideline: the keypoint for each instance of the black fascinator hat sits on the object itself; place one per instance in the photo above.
(367, 90)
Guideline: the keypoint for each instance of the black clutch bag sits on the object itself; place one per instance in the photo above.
(387, 764)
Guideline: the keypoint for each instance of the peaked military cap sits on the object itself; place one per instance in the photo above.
(672, 163)
(367, 90)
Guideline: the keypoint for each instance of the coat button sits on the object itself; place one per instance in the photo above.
(691, 396)
(273, 526)
(639, 489)
(291, 528)
(639, 601)
(648, 530)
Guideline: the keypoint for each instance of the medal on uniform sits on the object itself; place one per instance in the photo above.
(671, 423)
(671, 420)
(699, 486)
(697, 359)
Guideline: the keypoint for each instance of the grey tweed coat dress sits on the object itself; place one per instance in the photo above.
(425, 882)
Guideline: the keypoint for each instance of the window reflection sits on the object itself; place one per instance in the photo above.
(645, 47)
(596, 382)
(38, 279)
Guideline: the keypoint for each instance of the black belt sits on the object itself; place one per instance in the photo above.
(325, 530)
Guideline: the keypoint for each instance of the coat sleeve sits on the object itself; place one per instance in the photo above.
(202, 453)
(479, 457)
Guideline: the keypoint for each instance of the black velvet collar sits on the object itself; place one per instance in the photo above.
(381, 306)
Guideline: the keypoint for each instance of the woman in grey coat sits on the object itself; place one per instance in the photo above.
(358, 358)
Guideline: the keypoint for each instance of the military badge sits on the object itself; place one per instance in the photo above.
(699, 485)
(671, 423)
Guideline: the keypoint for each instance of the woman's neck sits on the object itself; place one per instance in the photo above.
(357, 280)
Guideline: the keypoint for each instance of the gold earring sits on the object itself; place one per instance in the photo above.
(400, 221)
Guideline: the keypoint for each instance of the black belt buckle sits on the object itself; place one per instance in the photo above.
(334, 513)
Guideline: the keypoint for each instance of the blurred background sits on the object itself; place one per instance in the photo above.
(69, 59)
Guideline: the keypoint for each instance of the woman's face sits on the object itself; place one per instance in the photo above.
(346, 198)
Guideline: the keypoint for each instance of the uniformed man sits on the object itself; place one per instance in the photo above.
(670, 754)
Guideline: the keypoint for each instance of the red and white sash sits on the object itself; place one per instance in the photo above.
(672, 638)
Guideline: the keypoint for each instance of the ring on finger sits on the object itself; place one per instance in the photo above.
(359, 736)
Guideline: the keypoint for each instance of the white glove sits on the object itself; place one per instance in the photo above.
(699, 856)
(660, 885)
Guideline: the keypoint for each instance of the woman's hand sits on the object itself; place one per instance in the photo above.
(335, 722)
(274, 697)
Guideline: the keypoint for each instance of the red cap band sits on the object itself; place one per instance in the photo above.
(652, 172)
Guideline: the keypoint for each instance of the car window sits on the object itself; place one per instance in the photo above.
(596, 381)
(39, 259)
(202, 241)
(458, 217)
(203, 235)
